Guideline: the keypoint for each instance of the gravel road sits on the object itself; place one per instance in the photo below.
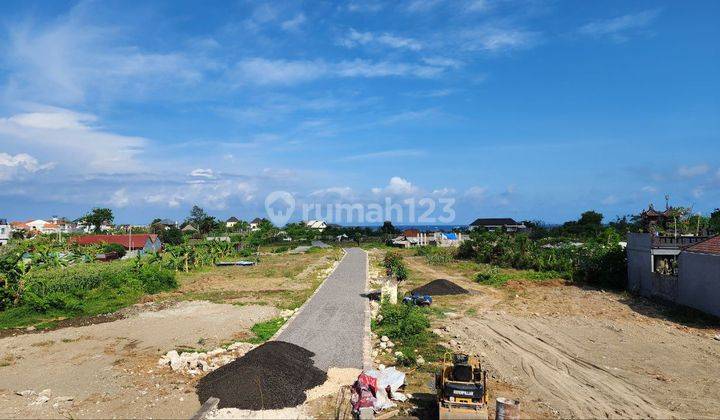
(332, 323)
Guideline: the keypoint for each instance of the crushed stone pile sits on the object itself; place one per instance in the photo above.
(194, 363)
(272, 376)
(440, 287)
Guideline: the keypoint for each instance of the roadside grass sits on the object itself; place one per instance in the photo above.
(265, 330)
(408, 326)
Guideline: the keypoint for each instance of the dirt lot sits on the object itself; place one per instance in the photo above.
(110, 369)
(282, 280)
(569, 351)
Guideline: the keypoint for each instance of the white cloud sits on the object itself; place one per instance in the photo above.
(384, 154)
(477, 6)
(365, 6)
(202, 173)
(55, 119)
(68, 138)
(409, 116)
(366, 68)
(334, 192)
(443, 192)
(649, 189)
(14, 166)
(266, 72)
(693, 171)
(215, 195)
(355, 38)
(263, 71)
(618, 28)
(294, 23)
(476, 193)
(69, 60)
(698, 192)
(443, 62)
(422, 5)
(609, 200)
(396, 186)
(497, 39)
(119, 198)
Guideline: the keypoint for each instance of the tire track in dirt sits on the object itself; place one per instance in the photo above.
(572, 385)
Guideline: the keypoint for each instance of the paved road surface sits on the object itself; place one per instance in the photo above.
(332, 323)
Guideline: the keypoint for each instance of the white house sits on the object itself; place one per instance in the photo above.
(231, 222)
(255, 224)
(38, 225)
(316, 224)
(5, 232)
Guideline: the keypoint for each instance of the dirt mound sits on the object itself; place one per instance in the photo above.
(440, 287)
(271, 376)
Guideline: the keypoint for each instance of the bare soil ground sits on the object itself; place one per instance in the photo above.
(571, 351)
(110, 369)
(281, 280)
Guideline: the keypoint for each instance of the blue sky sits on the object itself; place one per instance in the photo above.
(527, 109)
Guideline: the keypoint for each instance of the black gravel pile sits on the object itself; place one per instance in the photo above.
(440, 287)
(271, 376)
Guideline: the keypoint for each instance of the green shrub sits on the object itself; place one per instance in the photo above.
(392, 259)
(394, 263)
(403, 322)
(116, 248)
(155, 278)
(408, 327)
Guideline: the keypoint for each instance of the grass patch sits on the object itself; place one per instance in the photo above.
(408, 326)
(494, 276)
(265, 330)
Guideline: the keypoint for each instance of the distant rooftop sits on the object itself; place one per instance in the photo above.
(502, 221)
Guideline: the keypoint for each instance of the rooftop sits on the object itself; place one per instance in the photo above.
(137, 241)
(708, 246)
(501, 221)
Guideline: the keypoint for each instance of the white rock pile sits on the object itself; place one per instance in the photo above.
(194, 363)
(44, 396)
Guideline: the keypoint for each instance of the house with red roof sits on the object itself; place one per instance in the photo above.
(144, 242)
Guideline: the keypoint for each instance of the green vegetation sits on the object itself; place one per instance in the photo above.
(494, 276)
(599, 261)
(408, 326)
(97, 218)
(395, 266)
(116, 248)
(83, 290)
(265, 330)
(436, 255)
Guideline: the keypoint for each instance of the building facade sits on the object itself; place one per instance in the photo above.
(682, 270)
(5, 232)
